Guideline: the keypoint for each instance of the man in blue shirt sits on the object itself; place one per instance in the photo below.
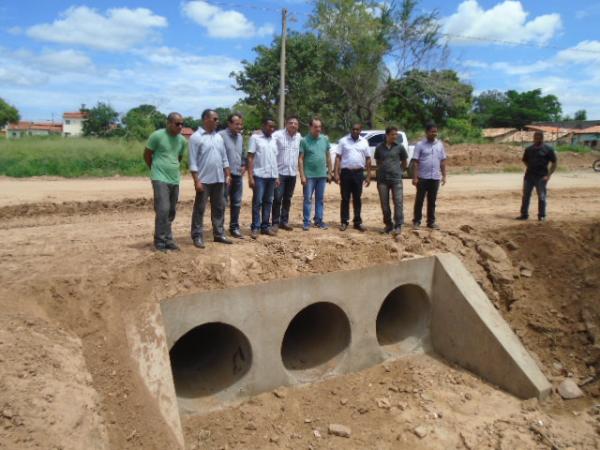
(429, 169)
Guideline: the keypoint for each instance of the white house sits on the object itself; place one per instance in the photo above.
(73, 123)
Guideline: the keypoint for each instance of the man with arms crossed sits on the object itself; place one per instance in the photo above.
(262, 177)
(234, 145)
(536, 158)
(210, 171)
(288, 147)
(314, 165)
(391, 160)
(351, 159)
(162, 155)
(429, 168)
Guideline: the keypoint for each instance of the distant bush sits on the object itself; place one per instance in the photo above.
(73, 157)
(573, 148)
(458, 131)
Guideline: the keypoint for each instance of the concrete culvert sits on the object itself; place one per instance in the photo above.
(404, 317)
(208, 359)
(315, 338)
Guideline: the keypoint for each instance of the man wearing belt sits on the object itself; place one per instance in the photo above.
(352, 157)
(262, 177)
(210, 172)
(288, 147)
(234, 145)
(429, 168)
(391, 159)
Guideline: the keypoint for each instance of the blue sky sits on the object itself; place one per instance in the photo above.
(56, 55)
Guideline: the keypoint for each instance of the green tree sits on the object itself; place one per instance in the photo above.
(422, 96)
(8, 113)
(192, 123)
(101, 121)
(580, 115)
(142, 120)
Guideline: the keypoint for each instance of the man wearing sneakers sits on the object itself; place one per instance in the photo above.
(314, 165)
(162, 155)
(262, 177)
(288, 147)
(429, 169)
(391, 160)
(351, 159)
(536, 158)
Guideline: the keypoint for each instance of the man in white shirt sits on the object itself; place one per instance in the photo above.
(210, 171)
(262, 177)
(288, 148)
(351, 160)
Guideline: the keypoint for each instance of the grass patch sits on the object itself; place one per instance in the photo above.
(573, 148)
(512, 169)
(72, 157)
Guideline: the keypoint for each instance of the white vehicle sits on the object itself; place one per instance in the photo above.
(376, 137)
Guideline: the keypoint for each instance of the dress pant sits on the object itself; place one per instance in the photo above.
(165, 203)
(429, 188)
(262, 202)
(282, 200)
(351, 185)
(395, 188)
(529, 183)
(233, 197)
(214, 192)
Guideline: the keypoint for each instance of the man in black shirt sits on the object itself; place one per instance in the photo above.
(391, 161)
(536, 158)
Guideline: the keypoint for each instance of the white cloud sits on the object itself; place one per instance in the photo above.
(584, 52)
(15, 31)
(506, 21)
(220, 23)
(118, 30)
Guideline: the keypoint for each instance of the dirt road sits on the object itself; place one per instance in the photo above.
(70, 270)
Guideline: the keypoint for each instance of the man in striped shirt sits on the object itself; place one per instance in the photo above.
(288, 147)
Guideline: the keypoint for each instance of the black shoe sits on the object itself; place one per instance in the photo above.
(521, 218)
(286, 227)
(542, 219)
(433, 226)
(222, 240)
(198, 242)
(416, 225)
(236, 234)
(172, 246)
(343, 227)
(397, 231)
(268, 232)
(360, 227)
(274, 228)
(388, 229)
(160, 248)
(254, 234)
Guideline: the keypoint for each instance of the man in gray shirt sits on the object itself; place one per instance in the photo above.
(391, 160)
(234, 145)
(210, 170)
(430, 167)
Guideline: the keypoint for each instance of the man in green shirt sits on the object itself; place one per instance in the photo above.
(314, 165)
(163, 154)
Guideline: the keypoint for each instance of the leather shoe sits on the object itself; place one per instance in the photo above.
(198, 242)
(236, 234)
(268, 232)
(254, 234)
(172, 246)
(274, 228)
(360, 227)
(343, 227)
(160, 248)
(433, 226)
(222, 240)
(521, 218)
(286, 227)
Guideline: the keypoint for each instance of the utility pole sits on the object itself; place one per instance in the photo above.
(281, 123)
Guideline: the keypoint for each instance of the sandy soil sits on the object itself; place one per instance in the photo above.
(77, 254)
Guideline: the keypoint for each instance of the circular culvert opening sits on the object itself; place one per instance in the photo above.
(404, 317)
(315, 339)
(208, 359)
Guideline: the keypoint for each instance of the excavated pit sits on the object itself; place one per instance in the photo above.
(208, 359)
(403, 319)
(315, 339)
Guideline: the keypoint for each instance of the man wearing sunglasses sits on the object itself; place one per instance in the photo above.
(162, 155)
(210, 171)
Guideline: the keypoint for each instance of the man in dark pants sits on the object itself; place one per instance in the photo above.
(210, 171)
(234, 145)
(263, 177)
(351, 159)
(536, 158)
(391, 160)
(429, 168)
(162, 155)
(288, 148)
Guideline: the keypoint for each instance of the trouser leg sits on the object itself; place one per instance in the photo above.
(257, 198)
(432, 191)
(267, 202)
(173, 197)
(288, 193)
(278, 194)
(217, 208)
(357, 186)
(198, 213)
(528, 185)
(540, 187)
(319, 200)
(236, 191)
(384, 199)
(346, 192)
(309, 189)
(162, 210)
(419, 200)
(397, 196)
